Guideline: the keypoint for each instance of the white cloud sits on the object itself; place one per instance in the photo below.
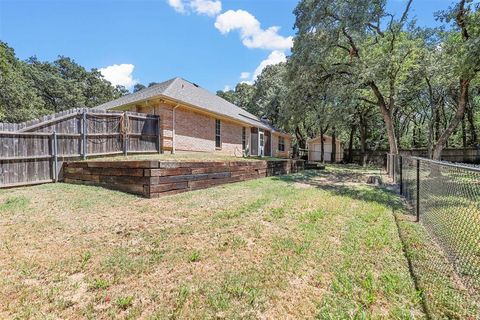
(275, 57)
(178, 5)
(269, 39)
(250, 82)
(244, 75)
(242, 20)
(208, 7)
(119, 74)
(227, 88)
(251, 33)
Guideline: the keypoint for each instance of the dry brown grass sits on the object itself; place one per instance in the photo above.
(274, 248)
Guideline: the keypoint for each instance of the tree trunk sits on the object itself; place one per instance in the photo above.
(300, 138)
(363, 140)
(334, 146)
(414, 135)
(434, 119)
(437, 124)
(386, 112)
(322, 146)
(350, 144)
(459, 114)
(471, 123)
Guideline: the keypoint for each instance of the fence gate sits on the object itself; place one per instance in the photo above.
(33, 152)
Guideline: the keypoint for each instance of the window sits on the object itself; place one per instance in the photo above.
(281, 144)
(244, 138)
(218, 141)
(261, 143)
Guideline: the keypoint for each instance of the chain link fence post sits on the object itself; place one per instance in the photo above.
(417, 211)
(401, 173)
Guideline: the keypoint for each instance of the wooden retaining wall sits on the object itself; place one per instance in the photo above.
(157, 178)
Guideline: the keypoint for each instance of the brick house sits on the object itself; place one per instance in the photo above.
(193, 119)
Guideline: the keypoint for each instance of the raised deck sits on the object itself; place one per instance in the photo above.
(154, 178)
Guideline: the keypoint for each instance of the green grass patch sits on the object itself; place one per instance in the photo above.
(310, 245)
(14, 204)
(124, 302)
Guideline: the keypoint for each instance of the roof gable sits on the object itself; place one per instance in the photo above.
(187, 92)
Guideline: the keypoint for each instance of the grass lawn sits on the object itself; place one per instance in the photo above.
(311, 245)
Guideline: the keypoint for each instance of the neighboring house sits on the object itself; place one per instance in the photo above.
(314, 149)
(193, 119)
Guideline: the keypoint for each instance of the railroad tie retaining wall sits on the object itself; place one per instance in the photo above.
(157, 178)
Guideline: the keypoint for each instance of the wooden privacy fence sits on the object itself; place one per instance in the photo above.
(33, 152)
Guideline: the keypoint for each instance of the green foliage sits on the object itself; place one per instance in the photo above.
(100, 284)
(138, 87)
(355, 67)
(270, 94)
(124, 302)
(241, 97)
(194, 256)
(32, 88)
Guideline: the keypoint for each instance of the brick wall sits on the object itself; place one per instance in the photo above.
(276, 152)
(165, 112)
(195, 131)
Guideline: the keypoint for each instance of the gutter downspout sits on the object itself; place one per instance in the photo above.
(173, 130)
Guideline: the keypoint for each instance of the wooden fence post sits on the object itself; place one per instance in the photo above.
(125, 133)
(84, 135)
(55, 155)
(52, 158)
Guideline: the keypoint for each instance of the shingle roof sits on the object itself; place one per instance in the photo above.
(182, 90)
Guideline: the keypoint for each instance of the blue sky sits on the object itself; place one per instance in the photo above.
(215, 43)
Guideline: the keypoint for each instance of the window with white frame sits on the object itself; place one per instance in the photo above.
(218, 140)
(281, 144)
(244, 138)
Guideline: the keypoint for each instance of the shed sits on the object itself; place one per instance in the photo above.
(314, 149)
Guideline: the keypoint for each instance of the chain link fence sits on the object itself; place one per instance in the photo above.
(446, 199)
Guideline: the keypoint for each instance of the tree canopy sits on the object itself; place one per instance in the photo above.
(375, 78)
(356, 71)
(33, 88)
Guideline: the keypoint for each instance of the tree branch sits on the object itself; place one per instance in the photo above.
(405, 13)
(368, 101)
(460, 18)
(343, 47)
(376, 28)
(354, 50)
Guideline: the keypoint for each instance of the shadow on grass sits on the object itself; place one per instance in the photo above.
(443, 294)
(346, 183)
